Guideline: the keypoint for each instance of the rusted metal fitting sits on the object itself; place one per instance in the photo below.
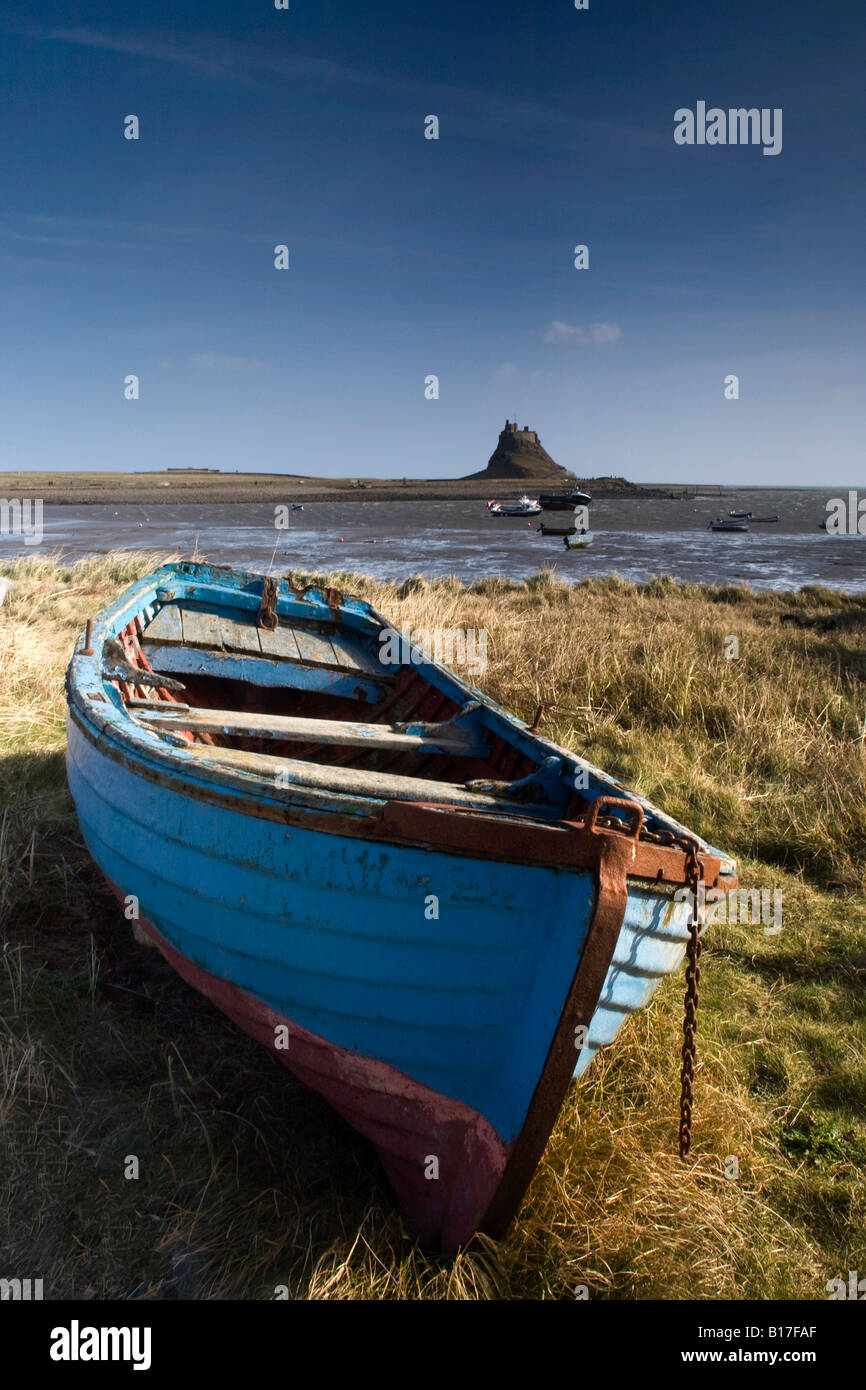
(635, 812)
(268, 610)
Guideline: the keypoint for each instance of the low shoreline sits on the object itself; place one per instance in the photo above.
(173, 487)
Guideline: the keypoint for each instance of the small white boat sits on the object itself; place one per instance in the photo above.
(578, 542)
(524, 506)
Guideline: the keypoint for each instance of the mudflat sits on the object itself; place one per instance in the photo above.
(202, 486)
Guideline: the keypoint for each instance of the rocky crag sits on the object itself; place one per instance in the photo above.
(519, 455)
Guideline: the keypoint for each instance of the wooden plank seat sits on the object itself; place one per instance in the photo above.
(187, 663)
(347, 781)
(210, 628)
(448, 737)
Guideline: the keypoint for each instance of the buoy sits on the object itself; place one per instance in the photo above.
(341, 540)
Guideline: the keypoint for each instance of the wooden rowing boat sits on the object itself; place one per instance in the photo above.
(442, 914)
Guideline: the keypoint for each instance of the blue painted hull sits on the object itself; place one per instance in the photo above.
(425, 986)
(333, 933)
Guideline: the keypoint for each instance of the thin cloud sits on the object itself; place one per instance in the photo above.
(474, 112)
(572, 334)
(204, 56)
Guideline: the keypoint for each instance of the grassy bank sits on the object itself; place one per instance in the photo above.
(248, 1182)
(203, 488)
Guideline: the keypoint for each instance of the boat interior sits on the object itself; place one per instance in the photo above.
(304, 690)
(312, 701)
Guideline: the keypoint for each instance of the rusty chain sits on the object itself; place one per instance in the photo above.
(694, 874)
(268, 611)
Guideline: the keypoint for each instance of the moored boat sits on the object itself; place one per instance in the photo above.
(579, 541)
(740, 516)
(720, 525)
(564, 501)
(428, 912)
(524, 506)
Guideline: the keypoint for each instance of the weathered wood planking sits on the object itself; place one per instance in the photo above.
(283, 772)
(349, 655)
(180, 625)
(166, 626)
(202, 629)
(267, 672)
(345, 734)
(280, 643)
(240, 637)
(315, 648)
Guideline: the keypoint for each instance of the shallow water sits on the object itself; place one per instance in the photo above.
(388, 540)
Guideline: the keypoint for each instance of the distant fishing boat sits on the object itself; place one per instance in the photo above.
(765, 519)
(720, 525)
(429, 913)
(564, 501)
(524, 506)
(579, 541)
(557, 530)
(740, 516)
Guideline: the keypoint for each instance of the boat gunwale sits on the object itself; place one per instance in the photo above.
(103, 714)
(461, 832)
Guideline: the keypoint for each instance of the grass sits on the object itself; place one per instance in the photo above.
(249, 1183)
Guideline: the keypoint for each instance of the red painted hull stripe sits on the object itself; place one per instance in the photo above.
(410, 1124)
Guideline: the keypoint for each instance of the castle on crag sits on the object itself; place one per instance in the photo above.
(524, 436)
(519, 454)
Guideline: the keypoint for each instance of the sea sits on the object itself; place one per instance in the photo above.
(636, 538)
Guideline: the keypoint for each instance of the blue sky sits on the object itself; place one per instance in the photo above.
(412, 257)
